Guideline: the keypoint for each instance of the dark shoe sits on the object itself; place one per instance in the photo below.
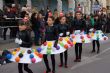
(48, 71)
(4, 38)
(98, 51)
(92, 51)
(53, 71)
(66, 66)
(60, 65)
(76, 60)
(79, 60)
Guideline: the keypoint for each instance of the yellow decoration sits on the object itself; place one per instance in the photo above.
(66, 39)
(13, 52)
(74, 42)
(92, 34)
(49, 44)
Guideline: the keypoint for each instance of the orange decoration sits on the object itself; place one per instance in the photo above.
(66, 46)
(18, 49)
(36, 53)
(73, 36)
(17, 59)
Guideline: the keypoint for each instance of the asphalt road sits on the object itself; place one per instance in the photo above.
(91, 63)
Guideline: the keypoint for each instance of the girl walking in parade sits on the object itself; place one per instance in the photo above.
(97, 26)
(78, 24)
(63, 28)
(24, 40)
(51, 34)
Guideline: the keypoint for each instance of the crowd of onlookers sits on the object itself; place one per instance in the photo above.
(38, 20)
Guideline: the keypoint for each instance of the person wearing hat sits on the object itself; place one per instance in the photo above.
(78, 24)
(23, 39)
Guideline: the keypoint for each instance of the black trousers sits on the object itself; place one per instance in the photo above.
(47, 63)
(20, 66)
(65, 54)
(98, 44)
(78, 50)
(4, 33)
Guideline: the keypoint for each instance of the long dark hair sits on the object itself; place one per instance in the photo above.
(62, 17)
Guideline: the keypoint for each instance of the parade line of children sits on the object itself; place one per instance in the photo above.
(58, 39)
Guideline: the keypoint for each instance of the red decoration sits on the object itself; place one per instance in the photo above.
(88, 36)
(61, 39)
(69, 42)
(66, 46)
(40, 55)
(105, 38)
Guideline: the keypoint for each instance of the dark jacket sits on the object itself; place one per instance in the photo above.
(51, 34)
(63, 28)
(25, 36)
(78, 24)
(98, 24)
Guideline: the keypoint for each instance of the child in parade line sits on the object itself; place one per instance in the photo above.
(97, 26)
(24, 40)
(78, 24)
(51, 34)
(63, 29)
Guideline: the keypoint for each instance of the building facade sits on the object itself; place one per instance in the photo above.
(88, 6)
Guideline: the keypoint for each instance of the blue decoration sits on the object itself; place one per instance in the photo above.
(58, 47)
(103, 35)
(8, 56)
(39, 50)
(71, 39)
(31, 56)
(85, 32)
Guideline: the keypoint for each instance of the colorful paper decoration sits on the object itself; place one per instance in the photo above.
(29, 51)
(66, 46)
(39, 50)
(17, 59)
(31, 56)
(48, 52)
(33, 60)
(8, 56)
(20, 55)
(14, 52)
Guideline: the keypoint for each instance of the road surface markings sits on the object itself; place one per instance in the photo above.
(87, 60)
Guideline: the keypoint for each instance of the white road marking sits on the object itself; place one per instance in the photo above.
(87, 60)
